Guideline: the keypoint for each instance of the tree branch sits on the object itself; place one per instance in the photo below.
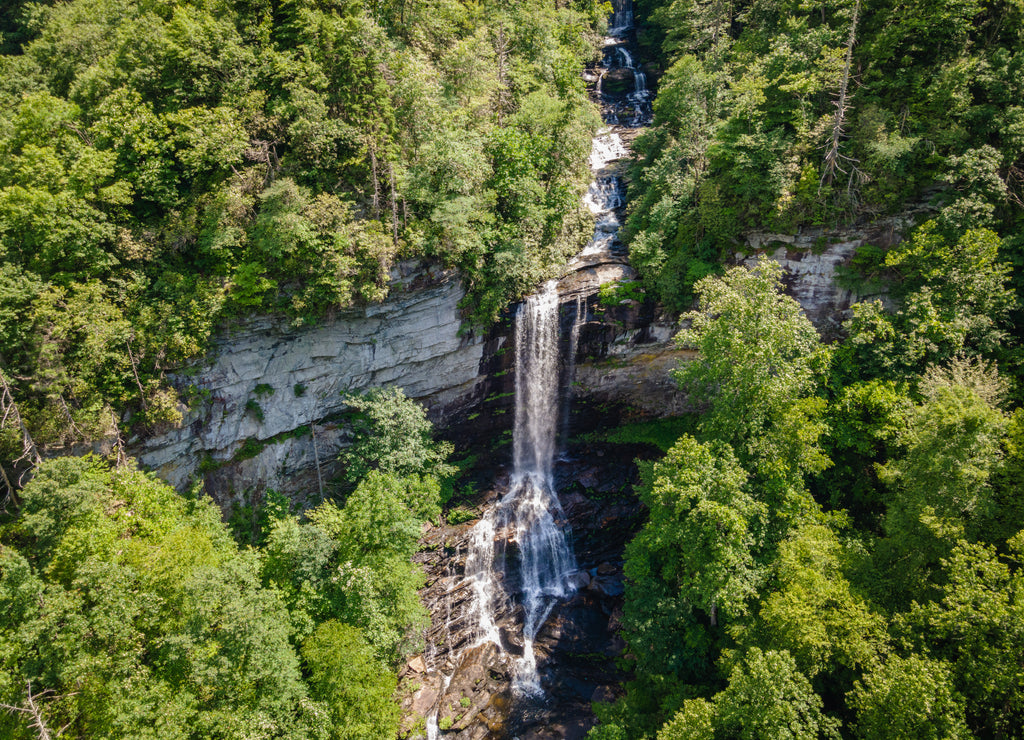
(832, 153)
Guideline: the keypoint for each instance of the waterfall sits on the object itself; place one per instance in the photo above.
(570, 368)
(528, 521)
(533, 436)
(617, 55)
(546, 559)
(519, 553)
(529, 515)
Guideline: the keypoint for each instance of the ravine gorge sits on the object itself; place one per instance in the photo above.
(507, 575)
(476, 370)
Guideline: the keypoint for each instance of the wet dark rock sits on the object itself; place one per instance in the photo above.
(607, 585)
(576, 648)
(580, 579)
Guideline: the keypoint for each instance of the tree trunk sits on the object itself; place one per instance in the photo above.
(375, 181)
(394, 205)
(832, 153)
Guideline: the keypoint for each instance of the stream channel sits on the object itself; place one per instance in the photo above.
(523, 633)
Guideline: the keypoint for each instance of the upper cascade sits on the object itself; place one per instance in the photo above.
(519, 562)
(622, 114)
(634, 109)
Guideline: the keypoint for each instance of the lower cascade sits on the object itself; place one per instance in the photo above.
(520, 550)
(498, 588)
(530, 513)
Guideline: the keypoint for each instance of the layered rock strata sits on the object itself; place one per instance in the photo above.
(269, 406)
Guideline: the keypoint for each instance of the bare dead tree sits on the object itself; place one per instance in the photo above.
(1015, 184)
(264, 153)
(394, 204)
(35, 713)
(72, 426)
(371, 148)
(135, 372)
(833, 156)
(10, 418)
(120, 455)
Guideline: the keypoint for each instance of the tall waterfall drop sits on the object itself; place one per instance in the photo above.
(529, 516)
(517, 565)
(546, 559)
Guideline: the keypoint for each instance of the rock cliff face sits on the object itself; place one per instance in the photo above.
(270, 413)
(269, 410)
(271, 403)
(576, 649)
(811, 257)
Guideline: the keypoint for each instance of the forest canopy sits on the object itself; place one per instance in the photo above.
(128, 609)
(773, 115)
(166, 166)
(835, 550)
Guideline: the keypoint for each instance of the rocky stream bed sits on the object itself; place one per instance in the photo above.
(577, 647)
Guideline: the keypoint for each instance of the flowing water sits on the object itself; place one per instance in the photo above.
(606, 196)
(529, 516)
(524, 534)
(520, 552)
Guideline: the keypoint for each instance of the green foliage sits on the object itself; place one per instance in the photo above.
(879, 617)
(133, 606)
(614, 294)
(253, 407)
(815, 614)
(391, 433)
(909, 698)
(250, 520)
(745, 119)
(955, 299)
(131, 611)
(703, 529)
(892, 625)
(659, 433)
(767, 699)
(164, 169)
(380, 518)
(967, 279)
(758, 358)
(355, 686)
(975, 628)
(690, 572)
(352, 563)
(942, 490)
(460, 515)
(866, 421)
(1009, 478)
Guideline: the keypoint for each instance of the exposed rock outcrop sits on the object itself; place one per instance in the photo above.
(270, 413)
(270, 397)
(578, 645)
(810, 259)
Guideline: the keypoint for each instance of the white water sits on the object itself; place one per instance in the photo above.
(606, 194)
(433, 730)
(637, 105)
(529, 521)
(546, 559)
(570, 363)
(529, 515)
